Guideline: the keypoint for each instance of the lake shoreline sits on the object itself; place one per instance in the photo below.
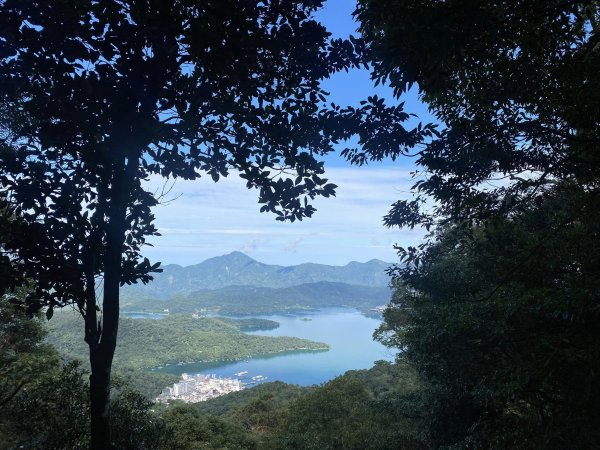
(257, 355)
(347, 331)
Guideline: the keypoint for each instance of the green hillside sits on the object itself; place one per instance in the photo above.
(179, 337)
(376, 409)
(251, 300)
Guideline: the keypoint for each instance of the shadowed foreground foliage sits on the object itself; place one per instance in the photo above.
(498, 309)
(511, 353)
(50, 409)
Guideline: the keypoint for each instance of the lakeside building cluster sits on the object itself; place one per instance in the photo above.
(199, 388)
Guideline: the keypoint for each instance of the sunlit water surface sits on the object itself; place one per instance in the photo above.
(348, 333)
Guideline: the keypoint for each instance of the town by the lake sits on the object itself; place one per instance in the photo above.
(199, 388)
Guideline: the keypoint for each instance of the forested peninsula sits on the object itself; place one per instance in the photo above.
(177, 338)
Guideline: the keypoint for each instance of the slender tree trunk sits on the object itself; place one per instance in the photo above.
(100, 401)
(101, 357)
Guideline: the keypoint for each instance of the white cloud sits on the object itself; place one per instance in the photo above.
(207, 219)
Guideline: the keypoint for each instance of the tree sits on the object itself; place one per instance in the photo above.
(509, 356)
(23, 353)
(192, 430)
(514, 84)
(50, 412)
(357, 410)
(97, 95)
(136, 425)
(497, 308)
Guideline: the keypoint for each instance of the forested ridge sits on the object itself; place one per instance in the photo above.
(238, 269)
(253, 300)
(235, 284)
(495, 315)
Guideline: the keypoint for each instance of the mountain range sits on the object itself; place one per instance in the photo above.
(235, 284)
(238, 269)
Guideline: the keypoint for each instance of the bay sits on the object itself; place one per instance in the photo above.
(347, 331)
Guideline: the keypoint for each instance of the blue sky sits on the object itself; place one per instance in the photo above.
(207, 219)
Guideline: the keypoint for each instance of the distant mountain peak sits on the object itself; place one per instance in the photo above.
(378, 261)
(234, 257)
(236, 254)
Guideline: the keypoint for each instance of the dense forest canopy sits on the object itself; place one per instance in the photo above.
(498, 308)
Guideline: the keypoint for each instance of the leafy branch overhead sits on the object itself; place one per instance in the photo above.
(179, 92)
(515, 86)
(174, 91)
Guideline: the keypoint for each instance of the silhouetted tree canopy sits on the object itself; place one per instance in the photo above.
(96, 96)
(498, 308)
(513, 82)
(503, 323)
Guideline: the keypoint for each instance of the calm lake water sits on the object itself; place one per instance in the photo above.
(348, 333)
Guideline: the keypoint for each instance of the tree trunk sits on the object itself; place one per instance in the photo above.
(101, 356)
(100, 401)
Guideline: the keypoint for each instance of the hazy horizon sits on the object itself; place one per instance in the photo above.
(285, 265)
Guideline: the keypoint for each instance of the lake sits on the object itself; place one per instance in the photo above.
(348, 333)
